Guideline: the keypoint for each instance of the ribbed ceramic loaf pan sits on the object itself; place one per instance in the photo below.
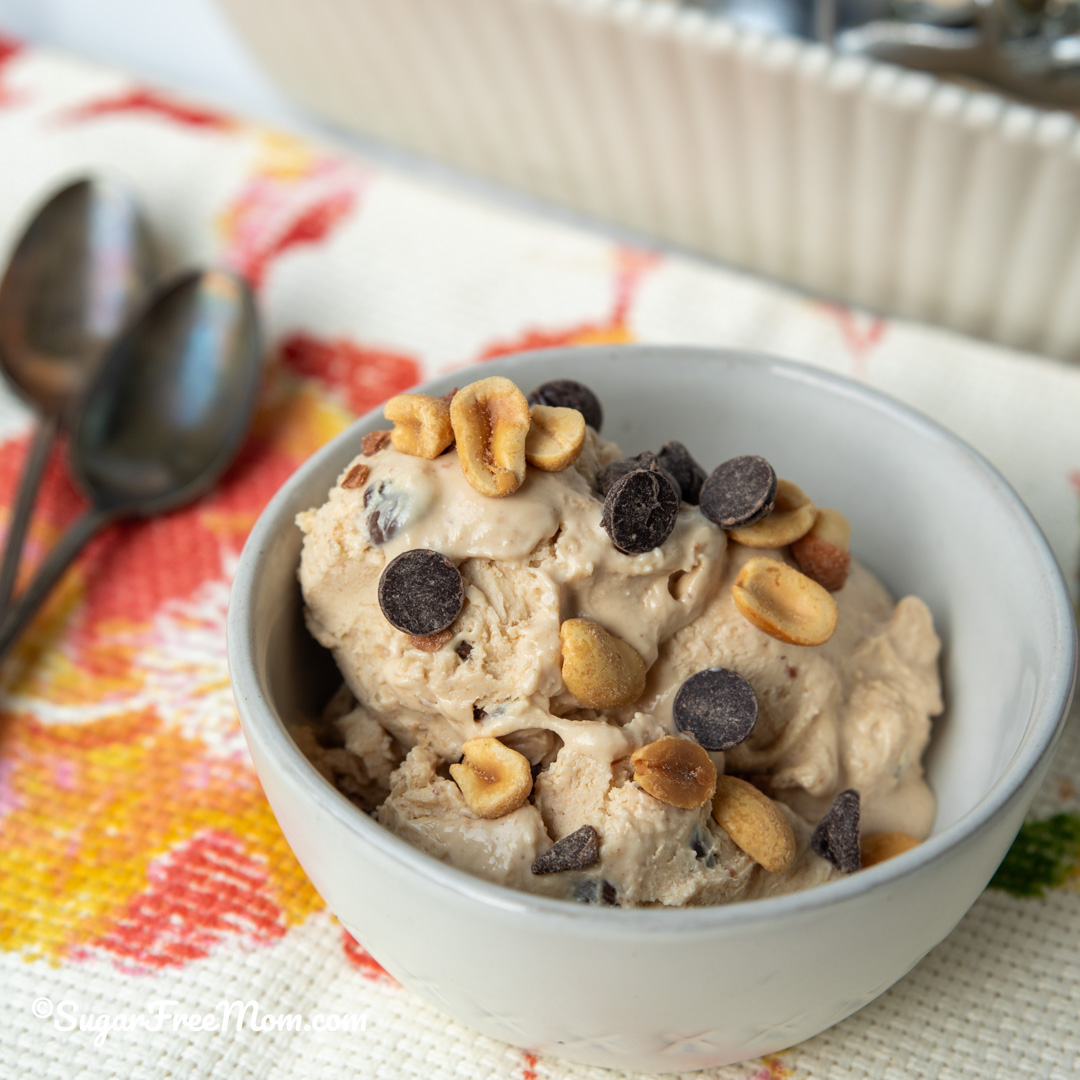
(857, 180)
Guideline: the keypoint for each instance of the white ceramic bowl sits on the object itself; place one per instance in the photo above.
(671, 990)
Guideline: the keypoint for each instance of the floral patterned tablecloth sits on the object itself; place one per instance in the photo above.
(143, 879)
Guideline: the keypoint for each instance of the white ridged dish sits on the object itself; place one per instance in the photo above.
(881, 187)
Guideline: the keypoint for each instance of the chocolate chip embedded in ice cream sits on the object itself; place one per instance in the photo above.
(676, 460)
(640, 511)
(739, 492)
(568, 394)
(607, 477)
(421, 592)
(577, 851)
(718, 707)
(836, 837)
(387, 509)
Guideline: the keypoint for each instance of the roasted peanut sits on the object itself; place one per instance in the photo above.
(823, 553)
(494, 779)
(676, 771)
(555, 439)
(785, 604)
(792, 516)
(421, 424)
(356, 477)
(373, 442)
(491, 419)
(755, 823)
(877, 847)
(599, 669)
(430, 642)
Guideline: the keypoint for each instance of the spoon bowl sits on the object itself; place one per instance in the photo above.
(165, 415)
(79, 272)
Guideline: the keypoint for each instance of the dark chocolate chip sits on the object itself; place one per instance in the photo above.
(568, 394)
(739, 492)
(640, 511)
(703, 846)
(676, 460)
(717, 707)
(421, 592)
(591, 891)
(836, 837)
(607, 477)
(574, 852)
(388, 509)
(478, 714)
(463, 649)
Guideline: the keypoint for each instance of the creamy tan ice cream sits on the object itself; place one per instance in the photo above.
(852, 713)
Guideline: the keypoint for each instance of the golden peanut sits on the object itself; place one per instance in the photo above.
(494, 779)
(823, 554)
(373, 442)
(877, 847)
(792, 516)
(430, 642)
(676, 771)
(755, 823)
(356, 477)
(599, 669)
(784, 603)
(555, 439)
(491, 419)
(421, 424)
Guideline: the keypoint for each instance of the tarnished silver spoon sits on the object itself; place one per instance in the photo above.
(81, 270)
(163, 418)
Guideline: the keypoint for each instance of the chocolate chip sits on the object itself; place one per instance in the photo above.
(389, 510)
(703, 846)
(421, 592)
(356, 477)
(591, 891)
(836, 837)
(717, 707)
(478, 714)
(463, 649)
(739, 492)
(610, 474)
(568, 394)
(574, 852)
(676, 460)
(640, 511)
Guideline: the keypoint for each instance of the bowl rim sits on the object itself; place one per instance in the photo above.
(262, 725)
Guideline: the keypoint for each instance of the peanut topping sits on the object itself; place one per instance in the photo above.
(555, 438)
(373, 442)
(491, 419)
(792, 516)
(675, 771)
(356, 477)
(823, 553)
(494, 779)
(785, 604)
(599, 669)
(430, 642)
(877, 847)
(755, 823)
(421, 424)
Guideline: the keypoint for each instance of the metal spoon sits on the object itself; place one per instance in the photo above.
(164, 417)
(80, 271)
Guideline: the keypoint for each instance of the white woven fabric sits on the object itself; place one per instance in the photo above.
(138, 862)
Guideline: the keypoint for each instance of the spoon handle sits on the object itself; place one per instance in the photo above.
(71, 543)
(24, 504)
